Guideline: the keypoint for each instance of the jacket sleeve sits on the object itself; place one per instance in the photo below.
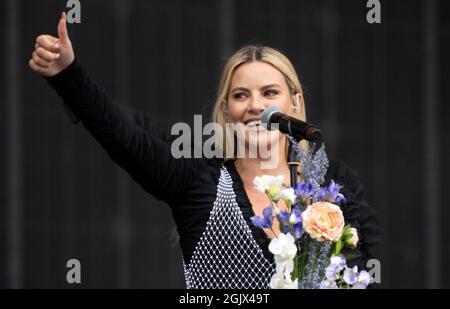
(357, 212)
(128, 137)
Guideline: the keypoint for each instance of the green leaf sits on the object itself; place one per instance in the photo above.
(303, 258)
(351, 256)
(338, 247)
(295, 273)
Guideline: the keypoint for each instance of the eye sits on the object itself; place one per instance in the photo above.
(239, 96)
(271, 92)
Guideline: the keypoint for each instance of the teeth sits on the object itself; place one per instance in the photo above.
(253, 123)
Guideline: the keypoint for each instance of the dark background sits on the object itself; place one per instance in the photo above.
(376, 91)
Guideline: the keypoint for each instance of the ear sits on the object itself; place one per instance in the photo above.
(297, 102)
(223, 108)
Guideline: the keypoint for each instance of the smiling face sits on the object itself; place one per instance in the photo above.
(254, 87)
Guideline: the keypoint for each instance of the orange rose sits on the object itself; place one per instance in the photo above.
(323, 221)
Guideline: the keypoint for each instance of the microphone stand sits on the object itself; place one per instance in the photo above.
(294, 158)
(293, 163)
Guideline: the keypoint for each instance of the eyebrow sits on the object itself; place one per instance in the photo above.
(262, 88)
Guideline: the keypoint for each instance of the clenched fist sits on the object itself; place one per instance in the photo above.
(52, 55)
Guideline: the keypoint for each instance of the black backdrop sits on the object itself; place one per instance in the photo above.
(377, 91)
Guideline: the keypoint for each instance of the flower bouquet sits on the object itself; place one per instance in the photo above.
(308, 249)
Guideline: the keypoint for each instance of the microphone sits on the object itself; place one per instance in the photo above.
(296, 128)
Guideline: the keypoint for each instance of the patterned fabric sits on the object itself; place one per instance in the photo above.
(227, 256)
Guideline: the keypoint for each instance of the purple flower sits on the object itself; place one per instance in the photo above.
(338, 261)
(304, 190)
(297, 228)
(284, 220)
(359, 286)
(328, 285)
(331, 194)
(350, 275)
(298, 214)
(363, 280)
(332, 272)
(337, 274)
(266, 220)
(284, 216)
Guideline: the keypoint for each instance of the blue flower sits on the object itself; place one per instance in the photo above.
(333, 271)
(304, 190)
(328, 285)
(284, 215)
(339, 261)
(297, 228)
(362, 280)
(350, 275)
(284, 220)
(266, 220)
(331, 194)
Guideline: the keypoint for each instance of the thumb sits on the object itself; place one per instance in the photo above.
(62, 29)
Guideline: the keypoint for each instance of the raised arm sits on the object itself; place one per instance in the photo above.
(140, 151)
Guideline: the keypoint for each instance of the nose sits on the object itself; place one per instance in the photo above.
(256, 107)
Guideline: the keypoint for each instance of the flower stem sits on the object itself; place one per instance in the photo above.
(296, 271)
(271, 201)
(275, 234)
(303, 258)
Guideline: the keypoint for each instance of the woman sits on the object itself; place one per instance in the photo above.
(212, 200)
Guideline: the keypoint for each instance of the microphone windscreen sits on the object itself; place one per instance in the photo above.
(265, 118)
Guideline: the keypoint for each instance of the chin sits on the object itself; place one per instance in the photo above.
(261, 144)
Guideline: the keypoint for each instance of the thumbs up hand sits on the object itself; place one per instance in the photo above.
(51, 55)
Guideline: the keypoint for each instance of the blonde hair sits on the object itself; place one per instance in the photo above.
(247, 54)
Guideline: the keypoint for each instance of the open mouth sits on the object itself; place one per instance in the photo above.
(254, 125)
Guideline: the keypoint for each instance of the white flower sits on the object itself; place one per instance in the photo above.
(359, 286)
(283, 264)
(293, 219)
(288, 195)
(277, 281)
(289, 284)
(284, 250)
(277, 211)
(283, 246)
(350, 275)
(353, 241)
(363, 278)
(280, 281)
(332, 272)
(338, 261)
(328, 285)
(265, 182)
